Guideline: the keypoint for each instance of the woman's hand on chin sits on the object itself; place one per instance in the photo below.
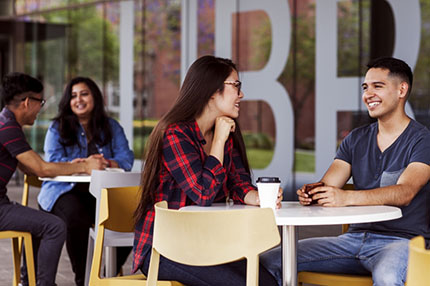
(223, 126)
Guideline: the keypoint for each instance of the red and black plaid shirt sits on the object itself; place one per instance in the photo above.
(188, 176)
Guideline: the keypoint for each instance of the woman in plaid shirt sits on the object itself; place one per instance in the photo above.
(197, 156)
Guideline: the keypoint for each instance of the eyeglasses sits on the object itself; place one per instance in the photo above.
(42, 101)
(237, 84)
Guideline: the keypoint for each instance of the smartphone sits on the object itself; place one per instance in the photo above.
(309, 187)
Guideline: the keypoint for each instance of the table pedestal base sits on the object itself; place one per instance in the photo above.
(289, 254)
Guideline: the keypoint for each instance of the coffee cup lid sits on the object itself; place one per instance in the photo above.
(268, 180)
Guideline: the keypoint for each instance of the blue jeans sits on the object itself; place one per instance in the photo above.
(386, 257)
(48, 235)
(230, 274)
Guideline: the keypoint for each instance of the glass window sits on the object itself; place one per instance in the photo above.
(57, 40)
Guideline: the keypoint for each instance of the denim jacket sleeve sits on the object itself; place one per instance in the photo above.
(54, 151)
(121, 151)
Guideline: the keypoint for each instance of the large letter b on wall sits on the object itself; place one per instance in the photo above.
(263, 84)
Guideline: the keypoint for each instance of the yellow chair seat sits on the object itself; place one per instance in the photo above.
(329, 279)
(418, 263)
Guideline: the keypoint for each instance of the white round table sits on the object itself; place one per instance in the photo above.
(78, 178)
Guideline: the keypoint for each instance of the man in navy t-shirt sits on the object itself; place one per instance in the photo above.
(22, 97)
(389, 164)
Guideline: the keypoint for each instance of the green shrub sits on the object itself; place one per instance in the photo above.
(259, 158)
(258, 141)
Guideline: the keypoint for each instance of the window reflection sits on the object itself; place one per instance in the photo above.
(56, 40)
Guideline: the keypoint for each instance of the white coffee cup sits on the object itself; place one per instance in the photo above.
(268, 189)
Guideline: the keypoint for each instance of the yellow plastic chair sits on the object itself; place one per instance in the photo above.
(101, 179)
(32, 181)
(29, 181)
(26, 236)
(18, 237)
(204, 238)
(117, 206)
(330, 279)
(418, 263)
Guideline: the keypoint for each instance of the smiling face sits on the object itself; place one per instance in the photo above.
(227, 103)
(383, 93)
(81, 102)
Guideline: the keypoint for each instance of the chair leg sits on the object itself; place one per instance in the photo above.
(90, 253)
(153, 268)
(110, 261)
(30, 259)
(252, 270)
(16, 261)
(20, 240)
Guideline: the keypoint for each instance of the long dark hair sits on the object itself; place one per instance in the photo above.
(69, 122)
(205, 77)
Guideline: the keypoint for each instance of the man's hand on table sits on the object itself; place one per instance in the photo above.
(327, 196)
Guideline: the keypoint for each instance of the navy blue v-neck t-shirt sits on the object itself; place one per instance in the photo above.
(372, 168)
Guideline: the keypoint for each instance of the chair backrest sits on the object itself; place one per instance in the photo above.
(419, 263)
(105, 179)
(29, 181)
(117, 207)
(213, 237)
